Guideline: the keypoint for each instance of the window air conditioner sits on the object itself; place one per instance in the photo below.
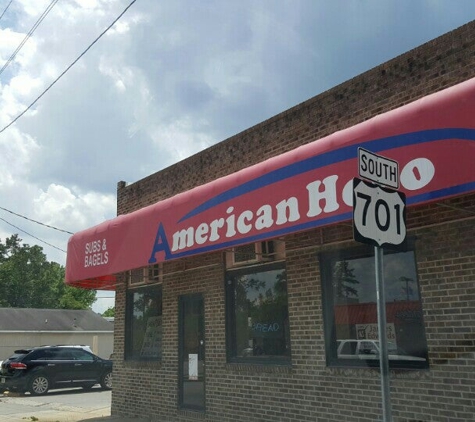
(254, 252)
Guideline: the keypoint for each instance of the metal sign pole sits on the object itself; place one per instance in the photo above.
(383, 342)
(379, 218)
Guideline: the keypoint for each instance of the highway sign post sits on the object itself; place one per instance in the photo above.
(379, 219)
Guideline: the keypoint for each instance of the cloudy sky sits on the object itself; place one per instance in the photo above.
(169, 79)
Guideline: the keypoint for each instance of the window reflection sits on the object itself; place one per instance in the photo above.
(351, 321)
(258, 313)
(144, 323)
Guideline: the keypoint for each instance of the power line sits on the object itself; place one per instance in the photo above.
(34, 237)
(6, 8)
(67, 69)
(37, 23)
(34, 221)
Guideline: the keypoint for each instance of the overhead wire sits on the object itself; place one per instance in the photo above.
(6, 8)
(28, 35)
(41, 95)
(69, 67)
(37, 222)
(34, 237)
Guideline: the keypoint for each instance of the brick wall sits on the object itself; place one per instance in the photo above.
(308, 390)
(432, 67)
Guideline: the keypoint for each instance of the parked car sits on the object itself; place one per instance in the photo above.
(369, 349)
(42, 368)
(81, 346)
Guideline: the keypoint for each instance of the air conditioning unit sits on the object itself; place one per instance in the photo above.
(136, 277)
(145, 275)
(253, 253)
(267, 250)
(154, 272)
(245, 254)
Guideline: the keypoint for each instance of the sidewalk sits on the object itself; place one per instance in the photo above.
(15, 407)
(66, 414)
(45, 413)
(114, 419)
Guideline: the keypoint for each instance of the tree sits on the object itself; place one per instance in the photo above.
(343, 279)
(109, 312)
(407, 289)
(28, 280)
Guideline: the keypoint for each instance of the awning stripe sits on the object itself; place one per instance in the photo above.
(432, 139)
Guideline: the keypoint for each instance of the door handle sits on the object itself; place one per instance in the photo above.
(78, 364)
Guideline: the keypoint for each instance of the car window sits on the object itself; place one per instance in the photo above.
(17, 356)
(368, 348)
(63, 354)
(348, 348)
(40, 355)
(50, 355)
(79, 354)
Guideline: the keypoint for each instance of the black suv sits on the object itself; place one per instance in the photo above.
(40, 369)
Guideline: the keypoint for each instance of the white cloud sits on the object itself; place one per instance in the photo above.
(168, 80)
(18, 150)
(60, 206)
(182, 138)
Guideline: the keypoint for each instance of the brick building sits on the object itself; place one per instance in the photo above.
(240, 292)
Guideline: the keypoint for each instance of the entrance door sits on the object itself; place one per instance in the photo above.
(191, 353)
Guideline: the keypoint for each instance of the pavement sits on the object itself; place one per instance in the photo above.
(14, 409)
(114, 419)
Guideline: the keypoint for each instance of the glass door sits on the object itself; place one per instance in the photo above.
(191, 353)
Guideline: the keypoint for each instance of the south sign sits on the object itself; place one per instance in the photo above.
(381, 170)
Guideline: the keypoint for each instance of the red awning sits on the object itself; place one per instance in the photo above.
(432, 139)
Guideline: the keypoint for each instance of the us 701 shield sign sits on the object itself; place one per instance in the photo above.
(379, 214)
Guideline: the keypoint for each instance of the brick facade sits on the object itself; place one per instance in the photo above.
(308, 390)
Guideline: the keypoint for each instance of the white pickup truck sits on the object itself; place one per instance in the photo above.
(369, 349)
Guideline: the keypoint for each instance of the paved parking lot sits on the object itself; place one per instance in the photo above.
(57, 406)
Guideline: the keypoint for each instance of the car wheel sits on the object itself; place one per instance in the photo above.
(106, 381)
(39, 385)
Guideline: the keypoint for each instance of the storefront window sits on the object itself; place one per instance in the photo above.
(257, 314)
(351, 321)
(144, 323)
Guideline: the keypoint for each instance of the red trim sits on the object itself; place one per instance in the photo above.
(367, 313)
(432, 139)
(107, 282)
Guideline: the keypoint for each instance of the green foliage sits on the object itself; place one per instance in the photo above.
(343, 279)
(28, 280)
(110, 312)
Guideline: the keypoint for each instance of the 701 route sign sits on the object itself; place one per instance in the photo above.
(379, 214)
